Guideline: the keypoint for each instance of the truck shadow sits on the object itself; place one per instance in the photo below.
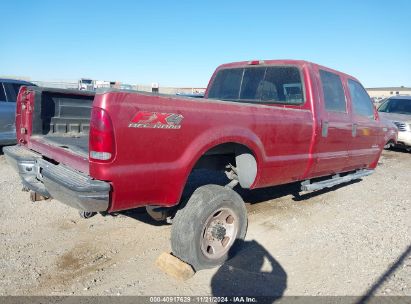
(251, 272)
(261, 195)
(141, 215)
(204, 177)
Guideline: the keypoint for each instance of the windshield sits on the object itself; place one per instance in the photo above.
(397, 106)
(273, 84)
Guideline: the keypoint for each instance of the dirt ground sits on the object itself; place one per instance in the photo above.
(349, 240)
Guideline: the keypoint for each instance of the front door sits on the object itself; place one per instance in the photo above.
(331, 151)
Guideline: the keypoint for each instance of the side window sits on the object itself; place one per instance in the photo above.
(11, 92)
(283, 84)
(334, 97)
(360, 100)
(2, 93)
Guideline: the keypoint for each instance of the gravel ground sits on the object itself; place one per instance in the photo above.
(345, 241)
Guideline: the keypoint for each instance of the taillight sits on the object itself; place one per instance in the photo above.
(102, 146)
(24, 108)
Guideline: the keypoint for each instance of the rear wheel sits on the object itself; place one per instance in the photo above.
(205, 231)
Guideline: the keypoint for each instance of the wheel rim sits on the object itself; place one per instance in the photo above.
(219, 233)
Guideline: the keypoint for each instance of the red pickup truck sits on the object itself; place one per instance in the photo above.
(264, 123)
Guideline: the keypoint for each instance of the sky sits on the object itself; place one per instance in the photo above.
(180, 43)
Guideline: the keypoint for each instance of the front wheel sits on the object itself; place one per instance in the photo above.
(205, 231)
(389, 145)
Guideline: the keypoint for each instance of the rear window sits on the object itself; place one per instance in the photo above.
(334, 97)
(273, 84)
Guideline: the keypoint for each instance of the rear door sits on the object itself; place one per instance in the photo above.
(363, 148)
(334, 123)
(7, 114)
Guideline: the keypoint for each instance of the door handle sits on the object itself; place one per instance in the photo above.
(354, 130)
(324, 128)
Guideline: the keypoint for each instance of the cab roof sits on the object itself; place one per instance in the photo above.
(281, 62)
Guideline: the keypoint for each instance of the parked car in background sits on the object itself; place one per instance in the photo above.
(125, 86)
(193, 95)
(398, 110)
(379, 101)
(9, 88)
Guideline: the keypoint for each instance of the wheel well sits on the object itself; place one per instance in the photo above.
(238, 155)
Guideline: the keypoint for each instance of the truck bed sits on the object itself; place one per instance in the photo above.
(60, 120)
(75, 143)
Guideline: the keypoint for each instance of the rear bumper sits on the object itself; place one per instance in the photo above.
(70, 187)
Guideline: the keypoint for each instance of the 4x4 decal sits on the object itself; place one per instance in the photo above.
(156, 120)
